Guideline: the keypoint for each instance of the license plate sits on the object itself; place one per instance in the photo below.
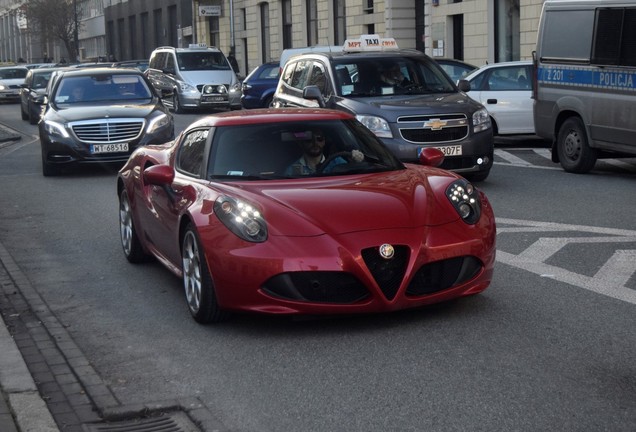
(454, 150)
(109, 148)
(214, 99)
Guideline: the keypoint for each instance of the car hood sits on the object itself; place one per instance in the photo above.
(77, 112)
(209, 77)
(337, 205)
(434, 103)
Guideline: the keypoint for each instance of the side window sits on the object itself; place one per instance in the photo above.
(615, 37)
(508, 78)
(190, 156)
(170, 62)
(318, 77)
(299, 77)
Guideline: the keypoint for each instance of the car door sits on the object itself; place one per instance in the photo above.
(506, 92)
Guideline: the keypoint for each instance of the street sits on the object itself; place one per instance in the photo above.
(549, 346)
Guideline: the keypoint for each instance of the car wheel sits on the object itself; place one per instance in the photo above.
(575, 154)
(197, 281)
(133, 250)
(32, 119)
(268, 102)
(176, 106)
(25, 115)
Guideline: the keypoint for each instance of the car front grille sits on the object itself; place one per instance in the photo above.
(108, 130)
(423, 129)
(388, 273)
(317, 286)
(440, 275)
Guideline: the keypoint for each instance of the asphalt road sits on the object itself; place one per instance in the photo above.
(549, 346)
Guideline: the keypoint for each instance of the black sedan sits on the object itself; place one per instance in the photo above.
(100, 116)
(32, 93)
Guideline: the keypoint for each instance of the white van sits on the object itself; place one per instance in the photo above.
(585, 71)
(195, 77)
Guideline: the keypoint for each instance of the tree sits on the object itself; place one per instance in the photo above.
(54, 19)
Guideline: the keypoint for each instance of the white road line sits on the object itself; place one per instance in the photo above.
(619, 268)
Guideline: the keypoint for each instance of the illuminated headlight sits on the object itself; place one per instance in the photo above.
(465, 198)
(157, 123)
(241, 218)
(377, 125)
(3, 87)
(481, 120)
(236, 88)
(213, 88)
(55, 128)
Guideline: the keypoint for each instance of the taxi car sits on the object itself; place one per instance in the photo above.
(423, 108)
(220, 208)
(99, 116)
(11, 77)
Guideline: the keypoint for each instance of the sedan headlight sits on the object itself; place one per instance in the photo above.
(55, 128)
(242, 218)
(465, 198)
(377, 125)
(157, 123)
(481, 120)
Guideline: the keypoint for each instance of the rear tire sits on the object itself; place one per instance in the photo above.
(575, 154)
(197, 281)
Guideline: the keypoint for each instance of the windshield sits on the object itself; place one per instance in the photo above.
(101, 88)
(288, 150)
(202, 60)
(16, 73)
(388, 76)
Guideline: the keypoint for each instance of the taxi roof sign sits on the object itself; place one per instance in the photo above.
(198, 46)
(370, 42)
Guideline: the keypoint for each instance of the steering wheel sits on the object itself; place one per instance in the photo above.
(349, 156)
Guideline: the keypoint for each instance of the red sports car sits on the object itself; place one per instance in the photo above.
(302, 211)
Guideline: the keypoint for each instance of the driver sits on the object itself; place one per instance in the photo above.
(313, 155)
(393, 76)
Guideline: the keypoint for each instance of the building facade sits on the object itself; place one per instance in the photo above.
(477, 31)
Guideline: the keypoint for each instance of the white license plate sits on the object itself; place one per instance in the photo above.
(109, 148)
(213, 98)
(454, 150)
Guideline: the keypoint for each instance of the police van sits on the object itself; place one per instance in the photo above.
(585, 71)
(403, 96)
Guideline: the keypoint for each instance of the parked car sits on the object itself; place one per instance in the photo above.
(366, 234)
(259, 86)
(141, 64)
(402, 96)
(456, 69)
(99, 116)
(11, 78)
(32, 93)
(194, 77)
(505, 89)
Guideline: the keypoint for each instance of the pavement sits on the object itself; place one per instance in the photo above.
(22, 408)
(46, 382)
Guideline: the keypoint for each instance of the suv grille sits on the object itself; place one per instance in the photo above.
(108, 130)
(423, 129)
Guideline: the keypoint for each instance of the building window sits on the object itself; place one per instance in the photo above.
(215, 39)
(143, 33)
(507, 31)
(158, 27)
(287, 24)
(172, 26)
(132, 30)
(340, 22)
(368, 7)
(312, 22)
(265, 46)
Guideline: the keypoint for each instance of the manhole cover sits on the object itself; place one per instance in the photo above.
(173, 422)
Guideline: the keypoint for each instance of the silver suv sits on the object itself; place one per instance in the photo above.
(402, 96)
(194, 77)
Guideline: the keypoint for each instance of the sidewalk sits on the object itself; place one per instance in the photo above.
(22, 409)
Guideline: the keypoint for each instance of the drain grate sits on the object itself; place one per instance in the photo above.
(173, 422)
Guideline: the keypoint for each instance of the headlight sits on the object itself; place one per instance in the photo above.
(157, 123)
(481, 120)
(242, 218)
(214, 88)
(465, 198)
(3, 87)
(55, 128)
(187, 88)
(377, 125)
(236, 88)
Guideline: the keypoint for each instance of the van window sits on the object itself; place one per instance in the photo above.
(568, 35)
(202, 60)
(615, 39)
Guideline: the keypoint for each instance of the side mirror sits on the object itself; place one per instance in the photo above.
(464, 85)
(159, 175)
(431, 156)
(312, 92)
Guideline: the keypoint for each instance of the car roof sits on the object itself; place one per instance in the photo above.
(362, 54)
(497, 65)
(102, 70)
(267, 115)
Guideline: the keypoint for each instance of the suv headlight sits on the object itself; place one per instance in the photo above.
(184, 87)
(55, 128)
(481, 120)
(242, 218)
(465, 198)
(377, 125)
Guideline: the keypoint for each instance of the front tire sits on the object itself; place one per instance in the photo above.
(133, 250)
(197, 281)
(575, 154)
(176, 105)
